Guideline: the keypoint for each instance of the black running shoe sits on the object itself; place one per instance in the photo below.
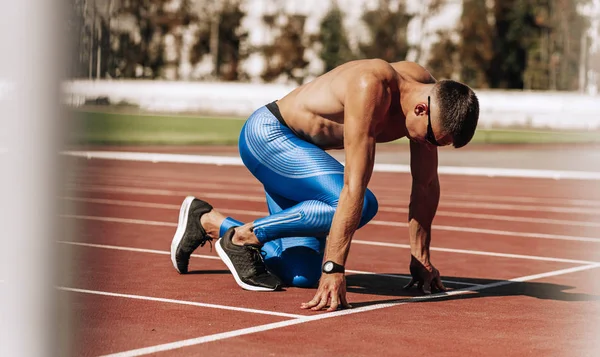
(246, 264)
(189, 234)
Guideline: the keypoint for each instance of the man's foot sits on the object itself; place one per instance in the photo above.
(189, 234)
(246, 264)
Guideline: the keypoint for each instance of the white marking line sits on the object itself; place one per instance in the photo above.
(494, 232)
(494, 217)
(357, 241)
(254, 185)
(477, 252)
(383, 209)
(131, 249)
(152, 251)
(474, 230)
(180, 302)
(405, 277)
(249, 198)
(236, 161)
(272, 326)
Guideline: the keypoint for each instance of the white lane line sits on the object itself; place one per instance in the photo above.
(163, 252)
(493, 217)
(466, 229)
(358, 241)
(405, 277)
(119, 220)
(383, 209)
(273, 326)
(254, 185)
(477, 252)
(501, 206)
(156, 223)
(131, 249)
(249, 198)
(180, 302)
(494, 232)
(236, 161)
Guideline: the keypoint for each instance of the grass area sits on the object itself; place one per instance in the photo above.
(95, 127)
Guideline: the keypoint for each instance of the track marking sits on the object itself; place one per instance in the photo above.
(494, 217)
(493, 232)
(405, 277)
(236, 161)
(254, 185)
(273, 326)
(384, 209)
(477, 252)
(131, 249)
(164, 252)
(180, 302)
(354, 241)
(380, 223)
(249, 198)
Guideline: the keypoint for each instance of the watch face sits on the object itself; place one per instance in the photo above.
(328, 266)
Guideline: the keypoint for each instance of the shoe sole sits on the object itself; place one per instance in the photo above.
(229, 264)
(181, 226)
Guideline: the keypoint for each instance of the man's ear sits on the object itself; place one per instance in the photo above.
(421, 109)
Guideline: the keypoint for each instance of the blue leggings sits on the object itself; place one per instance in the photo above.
(303, 185)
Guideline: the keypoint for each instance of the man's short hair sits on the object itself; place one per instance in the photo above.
(459, 111)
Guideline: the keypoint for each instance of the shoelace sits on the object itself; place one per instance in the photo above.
(209, 240)
(257, 260)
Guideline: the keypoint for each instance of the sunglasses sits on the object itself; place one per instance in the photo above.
(430, 137)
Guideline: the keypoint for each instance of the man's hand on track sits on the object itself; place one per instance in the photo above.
(331, 292)
(427, 277)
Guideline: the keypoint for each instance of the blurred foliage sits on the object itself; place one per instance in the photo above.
(516, 44)
(147, 38)
(520, 44)
(231, 37)
(387, 26)
(285, 56)
(335, 48)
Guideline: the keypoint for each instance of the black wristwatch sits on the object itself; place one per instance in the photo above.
(331, 267)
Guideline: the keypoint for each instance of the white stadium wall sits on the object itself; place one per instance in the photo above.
(540, 110)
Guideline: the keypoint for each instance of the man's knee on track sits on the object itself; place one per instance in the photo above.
(370, 207)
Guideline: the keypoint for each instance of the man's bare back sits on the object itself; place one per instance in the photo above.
(315, 111)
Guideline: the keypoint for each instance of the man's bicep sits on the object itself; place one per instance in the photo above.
(364, 107)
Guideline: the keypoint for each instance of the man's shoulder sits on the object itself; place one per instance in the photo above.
(413, 71)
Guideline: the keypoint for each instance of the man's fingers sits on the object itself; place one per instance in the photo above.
(345, 302)
(410, 284)
(315, 300)
(425, 285)
(439, 285)
(334, 303)
(322, 302)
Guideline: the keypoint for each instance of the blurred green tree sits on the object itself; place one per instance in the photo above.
(231, 36)
(387, 27)
(531, 44)
(335, 49)
(285, 56)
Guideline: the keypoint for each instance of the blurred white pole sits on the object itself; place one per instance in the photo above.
(30, 34)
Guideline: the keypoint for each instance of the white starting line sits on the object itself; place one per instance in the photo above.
(276, 325)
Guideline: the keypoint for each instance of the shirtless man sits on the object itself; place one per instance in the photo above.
(311, 196)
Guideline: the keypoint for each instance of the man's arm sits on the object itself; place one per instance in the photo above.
(365, 103)
(424, 199)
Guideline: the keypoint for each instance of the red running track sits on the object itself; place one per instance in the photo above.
(124, 295)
